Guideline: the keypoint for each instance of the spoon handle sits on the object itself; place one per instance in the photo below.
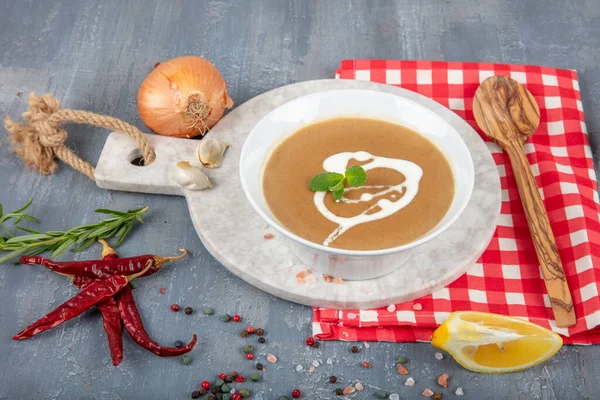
(543, 239)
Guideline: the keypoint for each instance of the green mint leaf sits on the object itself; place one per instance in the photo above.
(356, 176)
(325, 181)
(338, 187)
(338, 194)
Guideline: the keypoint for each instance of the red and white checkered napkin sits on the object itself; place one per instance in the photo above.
(506, 279)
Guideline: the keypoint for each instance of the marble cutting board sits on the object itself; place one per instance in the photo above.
(234, 234)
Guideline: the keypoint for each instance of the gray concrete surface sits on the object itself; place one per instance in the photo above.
(94, 55)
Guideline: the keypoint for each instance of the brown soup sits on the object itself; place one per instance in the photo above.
(294, 162)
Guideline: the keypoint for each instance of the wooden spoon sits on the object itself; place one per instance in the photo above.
(507, 112)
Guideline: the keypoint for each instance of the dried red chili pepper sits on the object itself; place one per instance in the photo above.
(101, 269)
(88, 297)
(135, 327)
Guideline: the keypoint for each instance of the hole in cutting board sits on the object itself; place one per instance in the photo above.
(135, 158)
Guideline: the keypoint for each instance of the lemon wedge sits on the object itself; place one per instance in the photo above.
(495, 344)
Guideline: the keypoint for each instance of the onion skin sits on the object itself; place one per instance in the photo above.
(183, 97)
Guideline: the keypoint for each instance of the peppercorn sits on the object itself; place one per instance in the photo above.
(222, 376)
(317, 345)
(260, 331)
(186, 360)
(225, 318)
(219, 382)
(248, 348)
(339, 391)
(211, 397)
(237, 318)
(259, 366)
(178, 343)
(401, 360)
(437, 396)
(310, 341)
(134, 283)
(261, 340)
(225, 396)
(332, 379)
(244, 334)
(250, 329)
(225, 388)
(250, 356)
(196, 395)
(175, 307)
(215, 390)
(205, 385)
(255, 377)
(381, 394)
(355, 349)
(228, 379)
(208, 310)
(202, 392)
(236, 396)
(188, 310)
(296, 393)
(244, 392)
(234, 374)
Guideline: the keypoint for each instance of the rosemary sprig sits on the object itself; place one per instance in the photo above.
(118, 225)
(17, 216)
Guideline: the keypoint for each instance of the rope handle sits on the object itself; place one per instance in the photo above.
(40, 139)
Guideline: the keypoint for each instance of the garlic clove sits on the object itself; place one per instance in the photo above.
(191, 177)
(210, 152)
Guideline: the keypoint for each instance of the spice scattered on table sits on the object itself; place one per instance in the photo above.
(250, 330)
(402, 369)
(245, 392)
(299, 367)
(442, 380)
(332, 379)
(244, 334)
(439, 356)
(186, 360)
(296, 393)
(354, 349)
(255, 377)
(162, 290)
(401, 360)
(427, 393)
(196, 394)
(437, 396)
(381, 394)
(271, 358)
(338, 281)
(178, 344)
(261, 340)
(248, 349)
(349, 390)
(260, 332)
(339, 391)
(394, 396)
(188, 310)
(208, 310)
(134, 284)
(175, 307)
(359, 386)
(459, 391)
(240, 379)
(236, 318)
(366, 364)
(268, 236)
(225, 318)
(316, 345)
(205, 385)
(310, 341)
(250, 356)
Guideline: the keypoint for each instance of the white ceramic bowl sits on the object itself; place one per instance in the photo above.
(292, 116)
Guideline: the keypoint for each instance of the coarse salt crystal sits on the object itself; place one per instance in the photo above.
(299, 368)
(427, 393)
(391, 308)
(300, 281)
(394, 396)
(418, 307)
(315, 363)
(367, 345)
(410, 382)
(271, 358)
(329, 361)
(358, 386)
(310, 279)
(337, 280)
(459, 391)
(439, 356)
(268, 236)
(349, 390)
(402, 369)
(442, 380)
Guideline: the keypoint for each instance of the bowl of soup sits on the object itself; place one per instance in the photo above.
(420, 178)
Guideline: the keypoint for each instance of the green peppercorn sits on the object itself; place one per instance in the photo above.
(196, 395)
(208, 310)
(225, 396)
(261, 340)
(259, 366)
(244, 333)
(248, 349)
(229, 379)
(339, 392)
(225, 388)
(255, 377)
(355, 349)
(134, 283)
(381, 394)
(178, 343)
(260, 331)
(332, 379)
(186, 360)
(244, 392)
(225, 318)
(188, 310)
(219, 382)
(401, 360)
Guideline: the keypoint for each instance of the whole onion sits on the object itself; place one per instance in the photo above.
(183, 97)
